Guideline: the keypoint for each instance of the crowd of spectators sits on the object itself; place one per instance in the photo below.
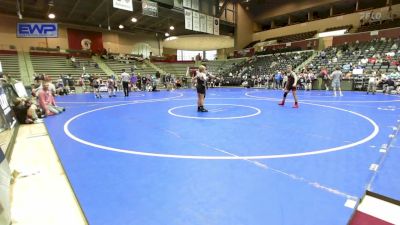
(358, 60)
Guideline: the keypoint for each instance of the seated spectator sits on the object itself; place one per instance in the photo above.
(385, 63)
(47, 102)
(364, 60)
(60, 88)
(322, 54)
(346, 67)
(376, 55)
(372, 60)
(388, 86)
(372, 48)
(390, 54)
(26, 112)
(394, 47)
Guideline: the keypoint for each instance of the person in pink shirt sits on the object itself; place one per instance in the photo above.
(47, 102)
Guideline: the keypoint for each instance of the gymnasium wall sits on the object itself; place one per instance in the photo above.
(366, 36)
(320, 25)
(244, 28)
(113, 41)
(279, 8)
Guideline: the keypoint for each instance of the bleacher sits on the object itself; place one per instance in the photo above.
(54, 65)
(380, 48)
(9, 62)
(266, 65)
(231, 65)
(294, 37)
(345, 27)
(139, 67)
(177, 69)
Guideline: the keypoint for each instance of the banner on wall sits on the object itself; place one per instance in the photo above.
(123, 4)
(37, 30)
(203, 22)
(1, 68)
(210, 24)
(187, 3)
(150, 8)
(85, 40)
(188, 19)
(216, 26)
(195, 4)
(196, 21)
(178, 3)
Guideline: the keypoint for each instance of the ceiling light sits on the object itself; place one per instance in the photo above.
(134, 20)
(171, 27)
(121, 26)
(167, 34)
(52, 16)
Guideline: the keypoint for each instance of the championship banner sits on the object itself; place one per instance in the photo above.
(123, 4)
(196, 21)
(150, 8)
(216, 26)
(187, 3)
(210, 24)
(188, 19)
(203, 23)
(178, 4)
(195, 4)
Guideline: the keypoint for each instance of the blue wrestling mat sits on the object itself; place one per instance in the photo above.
(152, 159)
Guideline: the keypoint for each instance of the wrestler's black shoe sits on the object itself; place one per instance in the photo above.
(202, 109)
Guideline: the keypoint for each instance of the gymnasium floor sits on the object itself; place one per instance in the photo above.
(153, 159)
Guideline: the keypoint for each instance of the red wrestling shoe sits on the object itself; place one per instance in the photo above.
(282, 103)
(296, 105)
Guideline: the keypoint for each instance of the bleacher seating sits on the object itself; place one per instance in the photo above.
(9, 62)
(54, 65)
(352, 57)
(294, 37)
(266, 65)
(227, 66)
(275, 50)
(262, 66)
(346, 27)
(177, 69)
(139, 67)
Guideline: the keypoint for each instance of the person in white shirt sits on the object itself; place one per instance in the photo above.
(364, 61)
(372, 81)
(336, 76)
(125, 78)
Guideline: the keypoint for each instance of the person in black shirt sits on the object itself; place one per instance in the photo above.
(290, 86)
(201, 78)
